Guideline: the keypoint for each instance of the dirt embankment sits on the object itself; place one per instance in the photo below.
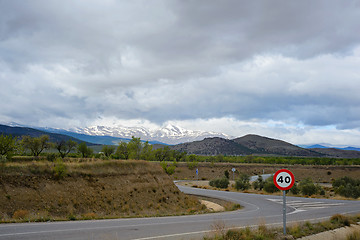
(98, 189)
(208, 171)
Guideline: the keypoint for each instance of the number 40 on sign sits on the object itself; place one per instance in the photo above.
(284, 179)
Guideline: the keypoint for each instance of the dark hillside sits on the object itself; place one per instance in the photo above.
(24, 131)
(264, 145)
(338, 153)
(213, 146)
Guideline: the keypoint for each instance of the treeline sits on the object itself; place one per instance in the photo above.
(136, 149)
(279, 160)
(41, 146)
(36, 146)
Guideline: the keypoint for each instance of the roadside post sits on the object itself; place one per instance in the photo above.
(197, 174)
(284, 180)
(233, 170)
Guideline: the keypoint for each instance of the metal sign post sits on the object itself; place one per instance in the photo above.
(233, 170)
(284, 211)
(284, 180)
(197, 174)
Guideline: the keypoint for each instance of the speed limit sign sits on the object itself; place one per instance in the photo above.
(284, 179)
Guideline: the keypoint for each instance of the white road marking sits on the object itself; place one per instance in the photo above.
(301, 206)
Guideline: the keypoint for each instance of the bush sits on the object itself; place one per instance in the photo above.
(307, 187)
(219, 183)
(21, 214)
(269, 186)
(227, 174)
(347, 187)
(243, 182)
(259, 183)
(168, 169)
(341, 219)
(59, 169)
(192, 165)
(51, 157)
(295, 189)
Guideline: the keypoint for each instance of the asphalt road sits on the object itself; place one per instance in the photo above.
(258, 209)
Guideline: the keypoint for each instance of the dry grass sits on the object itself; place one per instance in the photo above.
(90, 189)
(321, 174)
(355, 235)
(295, 231)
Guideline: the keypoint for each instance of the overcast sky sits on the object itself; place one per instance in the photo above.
(282, 69)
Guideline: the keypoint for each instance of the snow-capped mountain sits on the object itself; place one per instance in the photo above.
(169, 134)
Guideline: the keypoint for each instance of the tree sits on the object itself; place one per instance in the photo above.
(227, 174)
(84, 150)
(146, 151)
(122, 151)
(36, 144)
(108, 150)
(64, 148)
(162, 154)
(177, 155)
(134, 147)
(7, 145)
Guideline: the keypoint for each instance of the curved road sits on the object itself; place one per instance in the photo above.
(258, 209)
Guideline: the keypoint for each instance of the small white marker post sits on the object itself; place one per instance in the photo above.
(233, 170)
(284, 180)
(197, 174)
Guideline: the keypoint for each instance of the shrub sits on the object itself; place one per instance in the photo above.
(227, 174)
(295, 189)
(340, 219)
(243, 182)
(168, 169)
(90, 215)
(307, 187)
(347, 187)
(51, 157)
(219, 183)
(59, 169)
(3, 160)
(20, 214)
(192, 165)
(259, 183)
(269, 186)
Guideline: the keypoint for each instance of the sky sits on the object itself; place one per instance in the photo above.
(281, 69)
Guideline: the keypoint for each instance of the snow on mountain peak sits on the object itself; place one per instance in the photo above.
(169, 134)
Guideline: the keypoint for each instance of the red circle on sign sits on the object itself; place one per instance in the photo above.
(281, 179)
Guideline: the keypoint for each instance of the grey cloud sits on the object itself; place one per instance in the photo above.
(178, 60)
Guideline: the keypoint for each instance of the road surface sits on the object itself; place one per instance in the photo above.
(258, 209)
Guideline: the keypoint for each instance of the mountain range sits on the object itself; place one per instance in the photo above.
(169, 134)
(249, 144)
(258, 145)
(213, 145)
